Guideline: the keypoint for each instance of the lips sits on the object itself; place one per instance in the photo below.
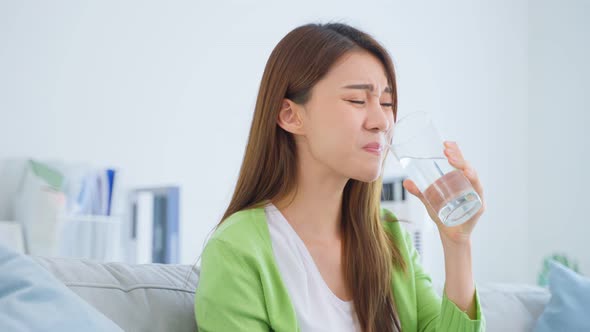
(374, 148)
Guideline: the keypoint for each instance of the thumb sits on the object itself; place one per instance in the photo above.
(413, 189)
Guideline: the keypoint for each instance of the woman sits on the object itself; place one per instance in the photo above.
(304, 244)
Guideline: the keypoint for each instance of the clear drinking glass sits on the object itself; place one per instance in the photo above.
(417, 145)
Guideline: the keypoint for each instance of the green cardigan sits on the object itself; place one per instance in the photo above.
(240, 287)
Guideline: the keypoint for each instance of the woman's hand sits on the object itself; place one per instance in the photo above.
(461, 233)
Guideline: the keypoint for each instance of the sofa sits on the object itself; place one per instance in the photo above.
(158, 297)
(148, 297)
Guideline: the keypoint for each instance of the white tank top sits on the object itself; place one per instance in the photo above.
(316, 306)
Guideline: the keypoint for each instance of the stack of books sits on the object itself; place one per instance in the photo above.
(154, 226)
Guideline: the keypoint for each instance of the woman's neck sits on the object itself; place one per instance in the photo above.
(314, 211)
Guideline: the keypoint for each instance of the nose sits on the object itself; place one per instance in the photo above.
(378, 119)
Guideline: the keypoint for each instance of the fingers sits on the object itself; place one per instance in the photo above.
(472, 176)
(454, 155)
(456, 159)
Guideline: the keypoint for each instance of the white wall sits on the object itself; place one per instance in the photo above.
(559, 86)
(166, 93)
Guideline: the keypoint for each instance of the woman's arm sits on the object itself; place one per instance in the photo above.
(459, 285)
(456, 240)
(434, 314)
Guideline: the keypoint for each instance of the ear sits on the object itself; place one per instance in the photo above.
(290, 117)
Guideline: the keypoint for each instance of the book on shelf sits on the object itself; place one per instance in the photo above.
(155, 225)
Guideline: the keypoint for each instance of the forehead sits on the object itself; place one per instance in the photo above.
(357, 67)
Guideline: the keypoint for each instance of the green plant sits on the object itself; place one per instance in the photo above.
(543, 278)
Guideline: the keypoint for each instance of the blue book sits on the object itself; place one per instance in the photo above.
(110, 184)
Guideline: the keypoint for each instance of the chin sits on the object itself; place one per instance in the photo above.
(368, 177)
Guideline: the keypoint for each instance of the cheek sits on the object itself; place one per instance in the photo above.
(331, 139)
(339, 148)
(337, 145)
(338, 133)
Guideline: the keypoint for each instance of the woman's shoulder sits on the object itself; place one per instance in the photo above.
(392, 226)
(391, 223)
(244, 231)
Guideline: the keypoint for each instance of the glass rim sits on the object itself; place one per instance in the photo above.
(410, 115)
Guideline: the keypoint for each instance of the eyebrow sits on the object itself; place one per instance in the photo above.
(369, 87)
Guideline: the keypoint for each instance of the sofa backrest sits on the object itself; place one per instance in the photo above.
(512, 306)
(158, 297)
(149, 297)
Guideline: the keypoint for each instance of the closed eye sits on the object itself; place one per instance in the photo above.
(362, 102)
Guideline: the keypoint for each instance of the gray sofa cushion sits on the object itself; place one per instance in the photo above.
(512, 307)
(509, 307)
(150, 297)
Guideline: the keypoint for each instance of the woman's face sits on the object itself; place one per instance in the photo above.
(350, 108)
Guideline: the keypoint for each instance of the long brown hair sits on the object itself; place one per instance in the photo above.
(269, 167)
